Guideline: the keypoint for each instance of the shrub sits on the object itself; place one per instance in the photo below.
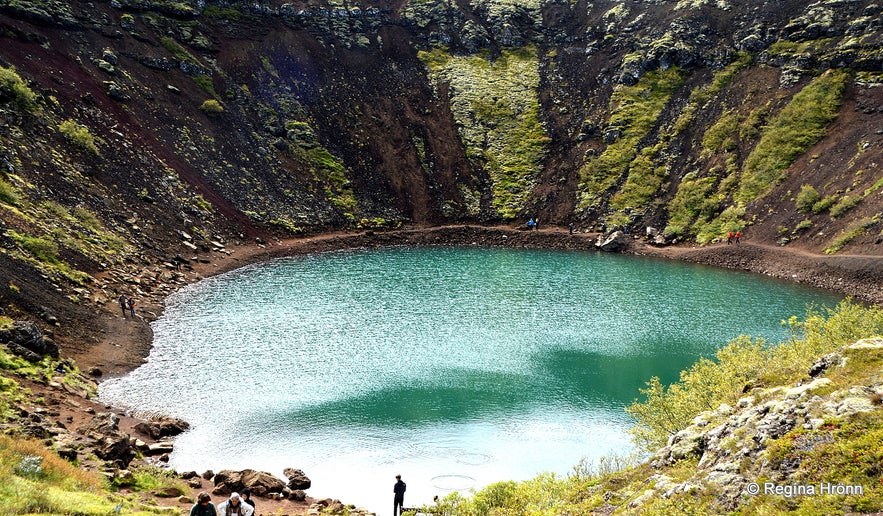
(212, 107)
(708, 383)
(803, 225)
(13, 88)
(846, 203)
(807, 197)
(824, 204)
(8, 195)
(79, 135)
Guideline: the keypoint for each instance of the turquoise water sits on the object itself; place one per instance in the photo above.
(453, 367)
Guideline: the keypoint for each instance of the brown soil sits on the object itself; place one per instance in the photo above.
(120, 344)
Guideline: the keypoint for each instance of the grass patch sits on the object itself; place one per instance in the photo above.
(496, 108)
(13, 89)
(851, 233)
(635, 110)
(8, 193)
(800, 124)
(79, 135)
(44, 254)
(34, 480)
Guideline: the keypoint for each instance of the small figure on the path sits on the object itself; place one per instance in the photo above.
(399, 498)
(536, 224)
(234, 506)
(570, 228)
(531, 224)
(132, 307)
(123, 304)
(729, 237)
(203, 506)
(738, 236)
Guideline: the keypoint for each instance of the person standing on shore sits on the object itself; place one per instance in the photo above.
(399, 499)
(122, 300)
(131, 308)
(203, 506)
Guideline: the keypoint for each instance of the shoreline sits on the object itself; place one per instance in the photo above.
(123, 345)
(856, 277)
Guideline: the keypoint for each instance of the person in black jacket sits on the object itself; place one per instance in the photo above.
(246, 497)
(399, 499)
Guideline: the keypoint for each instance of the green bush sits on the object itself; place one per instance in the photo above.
(79, 135)
(8, 195)
(823, 204)
(666, 410)
(13, 88)
(803, 225)
(846, 203)
(807, 198)
(211, 107)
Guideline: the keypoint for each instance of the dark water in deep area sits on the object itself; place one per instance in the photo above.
(454, 367)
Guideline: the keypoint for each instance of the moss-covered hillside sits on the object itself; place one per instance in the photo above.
(141, 130)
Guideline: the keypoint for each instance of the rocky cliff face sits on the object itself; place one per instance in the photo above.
(135, 131)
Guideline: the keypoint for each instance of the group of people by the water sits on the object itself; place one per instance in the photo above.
(236, 505)
(127, 304)
(734, 237)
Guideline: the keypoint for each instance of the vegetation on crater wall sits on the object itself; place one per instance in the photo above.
(13, 88)
(79, 135)
(635, 110)
(496, 109)
(800, 124)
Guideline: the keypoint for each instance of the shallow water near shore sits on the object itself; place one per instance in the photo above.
(454, 367)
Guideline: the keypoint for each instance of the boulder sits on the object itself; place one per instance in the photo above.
(613, 243)
(102, 424)
(162, 427)
(117, 449)
(261, 483)
(227, 481)
(297, 479)
(25, 339)
(159, 448)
